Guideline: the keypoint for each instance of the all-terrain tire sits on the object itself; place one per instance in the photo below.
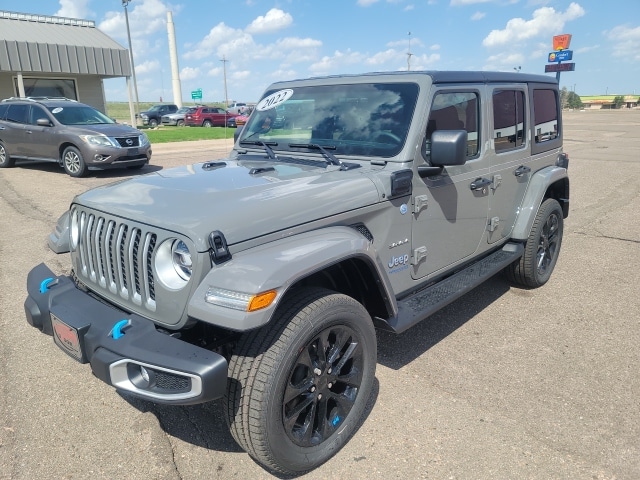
(299, 386)
(541, 251)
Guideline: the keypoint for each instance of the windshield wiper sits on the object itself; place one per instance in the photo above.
(331, 158)
(265, 145)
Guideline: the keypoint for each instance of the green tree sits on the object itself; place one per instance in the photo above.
(618, 101)
(564, 97)
(574, 101)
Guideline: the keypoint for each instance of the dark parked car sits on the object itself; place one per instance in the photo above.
(207, 117)
(75, 135)
(153, 116)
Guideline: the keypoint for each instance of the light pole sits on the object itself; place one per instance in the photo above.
(224, 69)
(133, 67)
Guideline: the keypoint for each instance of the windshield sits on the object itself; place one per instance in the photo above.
(183, 110)
(79, 115)
(369, 119)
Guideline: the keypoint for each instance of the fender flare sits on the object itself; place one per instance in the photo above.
(538, 186)
(278, 265)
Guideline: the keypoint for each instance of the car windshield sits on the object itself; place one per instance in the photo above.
(183, 110)
(370, 119)
(79, 115)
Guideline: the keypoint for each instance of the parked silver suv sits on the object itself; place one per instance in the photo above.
(75, 135)
(260, 278)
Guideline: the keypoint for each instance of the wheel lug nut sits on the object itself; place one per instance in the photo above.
(319, 396)
(317, 371)
(330, 385)
(313, 389)
(329, 371)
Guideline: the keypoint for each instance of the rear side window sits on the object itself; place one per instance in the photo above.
(545, 115)
(508, 120)
(3, 110)
(17, 113)
(455, 111)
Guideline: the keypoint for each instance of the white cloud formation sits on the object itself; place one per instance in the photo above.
(626, 42)
(366, 3)
(458, 3)
(545, 21)
(274, 20)
(74, 9)
(328, 64)
(478, 16)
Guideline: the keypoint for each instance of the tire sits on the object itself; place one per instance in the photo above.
(207, 123)
(541, 251)
(153, 123)
(73, 162)
(180, 123)
(5, 159)
(326, 389)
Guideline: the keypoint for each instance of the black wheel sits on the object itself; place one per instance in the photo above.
(73, 162)
(5, 159)
(180, 123)
(207, 123)
(153, 123)
(298, 387)
(541, 251)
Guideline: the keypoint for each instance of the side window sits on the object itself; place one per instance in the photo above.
(17, 113)
(456, 111)
(3, 110)
(36, 113)
(545, 113)
(508, 119)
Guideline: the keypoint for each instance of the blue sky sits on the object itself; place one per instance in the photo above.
(265, 41)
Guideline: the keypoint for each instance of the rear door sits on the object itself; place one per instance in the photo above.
(511, 165)
(13, 133)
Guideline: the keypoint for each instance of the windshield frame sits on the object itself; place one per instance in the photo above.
(369, 119)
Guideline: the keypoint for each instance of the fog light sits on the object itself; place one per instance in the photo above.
(144, 374)
(100, 158)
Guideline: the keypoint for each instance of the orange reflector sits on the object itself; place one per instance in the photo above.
(262, 300)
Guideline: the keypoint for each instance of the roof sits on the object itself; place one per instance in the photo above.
(40, 43)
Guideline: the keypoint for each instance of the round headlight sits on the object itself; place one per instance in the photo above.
(181, 259)
(173, 264)
(74, 230)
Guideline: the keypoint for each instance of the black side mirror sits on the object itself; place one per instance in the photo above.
(447, 147)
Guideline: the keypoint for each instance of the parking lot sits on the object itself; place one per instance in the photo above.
(503, 384)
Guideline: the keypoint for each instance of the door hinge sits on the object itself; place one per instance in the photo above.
(419, 254)
(497, 180)
(420, 202)
(493, 224)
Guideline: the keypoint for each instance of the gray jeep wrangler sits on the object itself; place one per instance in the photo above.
(347, 203)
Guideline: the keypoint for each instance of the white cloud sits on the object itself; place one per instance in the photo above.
(145, 18)
(274, 20)
(190, 73)
(545, 21)
(149, 66)
(74, 9)
(504, 61)
(338, 60)
(366, 3)
(478, 16)
(221, 35)
(458, 3)
(626, 41)
(424, 61)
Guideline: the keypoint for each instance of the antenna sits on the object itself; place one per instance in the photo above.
(409, 54)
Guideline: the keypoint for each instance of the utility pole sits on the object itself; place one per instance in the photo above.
(409, 54)
(133, 67)
(224, 68)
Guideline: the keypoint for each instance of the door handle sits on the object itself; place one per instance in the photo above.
(480, 184)
(521, 170)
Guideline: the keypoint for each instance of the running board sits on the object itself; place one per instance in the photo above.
(420, 305)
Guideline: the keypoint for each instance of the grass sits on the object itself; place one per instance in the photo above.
(165, 134)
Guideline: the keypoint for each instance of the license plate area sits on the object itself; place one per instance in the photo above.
(133, 151)
(67, 338)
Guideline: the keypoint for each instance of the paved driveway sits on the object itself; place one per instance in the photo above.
(503, 384)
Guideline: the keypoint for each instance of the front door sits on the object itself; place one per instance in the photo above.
(450, 209)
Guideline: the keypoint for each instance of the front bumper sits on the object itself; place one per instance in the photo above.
(136, 358)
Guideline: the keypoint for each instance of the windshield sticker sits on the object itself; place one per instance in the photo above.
(274, 100)
(56, 110)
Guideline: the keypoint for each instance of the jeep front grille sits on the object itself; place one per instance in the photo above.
(117, 257)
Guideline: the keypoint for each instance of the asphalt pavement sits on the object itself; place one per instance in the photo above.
(503, 384)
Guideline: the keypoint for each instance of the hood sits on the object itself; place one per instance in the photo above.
(108, 129)
(195, 201)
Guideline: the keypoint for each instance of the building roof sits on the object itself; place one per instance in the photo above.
(39, 43)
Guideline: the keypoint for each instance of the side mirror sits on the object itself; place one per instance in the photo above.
(447, 147)
(43, 122)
